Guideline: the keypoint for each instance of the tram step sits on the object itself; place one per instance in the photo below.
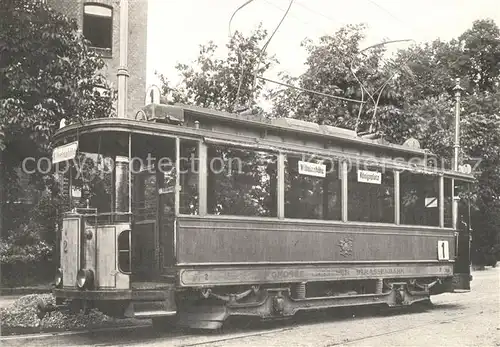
(149, 285)
(149, 309)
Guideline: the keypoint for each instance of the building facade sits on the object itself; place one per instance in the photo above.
(99, 20)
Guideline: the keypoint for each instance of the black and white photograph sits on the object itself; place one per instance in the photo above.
(240, 173)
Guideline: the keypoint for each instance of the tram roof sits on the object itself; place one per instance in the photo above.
(282, 125)
(287, 126)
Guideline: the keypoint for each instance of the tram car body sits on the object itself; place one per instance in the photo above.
(312, 217)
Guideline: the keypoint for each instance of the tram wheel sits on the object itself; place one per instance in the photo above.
(163, 324)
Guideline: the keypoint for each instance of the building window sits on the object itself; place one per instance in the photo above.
(98, 25)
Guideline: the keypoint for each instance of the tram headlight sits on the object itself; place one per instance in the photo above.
(85, 279)
(59, 278)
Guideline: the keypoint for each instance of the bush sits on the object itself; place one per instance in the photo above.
(25, 257)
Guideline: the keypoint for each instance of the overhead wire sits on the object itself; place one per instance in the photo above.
(265, 46)
(317, 13)
(234, 13)
(308, 90)
(240, 55)
(380, 89)
(281, 9)
(262, 51)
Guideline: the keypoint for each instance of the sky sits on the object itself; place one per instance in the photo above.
(176, 28)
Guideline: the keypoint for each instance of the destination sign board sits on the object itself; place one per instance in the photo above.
(64, 152)
(372, 177)
(312, 169)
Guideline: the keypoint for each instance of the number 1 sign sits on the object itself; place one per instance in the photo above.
(443, 250)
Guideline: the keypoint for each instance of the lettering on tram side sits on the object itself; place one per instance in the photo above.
(380, 272)
(285, 274)
(270, 275)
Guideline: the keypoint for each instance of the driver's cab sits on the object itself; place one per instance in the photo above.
(124, 189)
(463, 236)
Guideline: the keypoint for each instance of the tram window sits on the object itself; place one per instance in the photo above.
(462, 190)
(370, 195)
(145, 198)
(241, 182)
(448, 202)
(91, 181)
(312, 197)
(124, 251)
(188, 174)
(419, 199)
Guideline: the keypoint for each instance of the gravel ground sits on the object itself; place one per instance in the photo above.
(22, 314)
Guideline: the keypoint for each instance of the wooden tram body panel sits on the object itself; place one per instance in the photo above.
(248, 249)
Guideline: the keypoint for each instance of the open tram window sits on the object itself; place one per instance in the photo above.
(241, 182)
(370, 194)
(463, 194)
(419, 199)
(188, 175)
(145, 197)
(308, 196)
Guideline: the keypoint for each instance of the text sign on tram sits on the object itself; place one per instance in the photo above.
(373, 177)
(64, 152)
(312, 169)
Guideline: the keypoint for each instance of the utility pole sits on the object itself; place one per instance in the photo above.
(123, 68)
(121, 168)
(458, 92)
(2, 169)
(456, 148)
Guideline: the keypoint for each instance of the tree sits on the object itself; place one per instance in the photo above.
(229, 85)
(223, 84)
(47, 73)
(428, 77)
(329, 71)
(418, 100)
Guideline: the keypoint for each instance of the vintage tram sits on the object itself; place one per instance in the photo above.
(188, 216)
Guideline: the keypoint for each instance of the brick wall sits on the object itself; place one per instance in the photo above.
(137, 44)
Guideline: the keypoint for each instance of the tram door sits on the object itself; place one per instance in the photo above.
(145, 227)
(461, 271)
(166, 216)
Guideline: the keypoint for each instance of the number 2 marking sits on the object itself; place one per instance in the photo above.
(443, 250)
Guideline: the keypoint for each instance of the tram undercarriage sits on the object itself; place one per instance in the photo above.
(209, 308)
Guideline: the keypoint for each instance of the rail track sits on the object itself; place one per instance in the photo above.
(144, 335)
